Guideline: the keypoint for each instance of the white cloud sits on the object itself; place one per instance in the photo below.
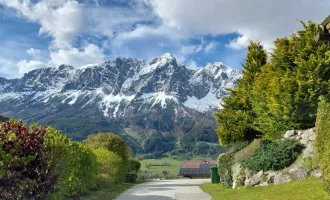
(147, 28)
(26, 66)
(191, 64)
(88, 55)
(33, 52)
(8, 68)
(190, 49)
(239, 43)
(210, 46)
(257, 20)
(62, 19)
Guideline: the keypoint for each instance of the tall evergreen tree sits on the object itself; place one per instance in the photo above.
(236, 120)
(286, 91)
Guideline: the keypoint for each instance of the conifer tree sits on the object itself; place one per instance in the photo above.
(236, 120)
(287, 90)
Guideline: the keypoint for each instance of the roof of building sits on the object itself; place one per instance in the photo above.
(326, 21)
(194, 171)
(196, 167)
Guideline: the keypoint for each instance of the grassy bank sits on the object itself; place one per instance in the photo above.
(110, 191)
(309, 189)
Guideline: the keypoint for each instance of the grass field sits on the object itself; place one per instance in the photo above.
(172, 165)
(309, 189)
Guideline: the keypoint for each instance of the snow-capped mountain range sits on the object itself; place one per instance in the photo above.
(120, 95)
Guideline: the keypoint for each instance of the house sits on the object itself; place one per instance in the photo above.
(325, 36)
(196, 168)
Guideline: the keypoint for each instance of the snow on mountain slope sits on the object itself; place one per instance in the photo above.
(121, 80)
(146, 98)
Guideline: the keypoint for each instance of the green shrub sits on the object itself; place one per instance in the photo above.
(24, 172)
(110, 142)
(73, 164)
(111, 165)
(37, 163)
(133, 167)
(323, 142)
(226, 162)
(130, 177)
(274, 155)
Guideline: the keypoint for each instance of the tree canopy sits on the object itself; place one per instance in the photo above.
(279, 94)
(110, 142)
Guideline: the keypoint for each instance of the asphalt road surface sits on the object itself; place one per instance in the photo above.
(183, 189)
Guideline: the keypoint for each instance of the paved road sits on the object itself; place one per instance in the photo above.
(184, 189)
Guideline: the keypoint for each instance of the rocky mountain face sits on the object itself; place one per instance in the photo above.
(151, 104)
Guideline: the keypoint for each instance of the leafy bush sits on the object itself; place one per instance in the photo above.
(323, 142)
(24, 172)
(73, 164)
(274, 155)
(226, 162)
(110, 165)
(110, 142)
(130, 177)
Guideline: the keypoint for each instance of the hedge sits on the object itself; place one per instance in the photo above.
(42, 163)
(226, 162)
(323, 141)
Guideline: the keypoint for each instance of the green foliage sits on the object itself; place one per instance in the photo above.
(287, 90)
(236, 120)
(133, 165)
(110, 142)
(24, 173)
(274, 155)
(39, 163)
(130, 177)
(111, 166)
(74, 165)
(323, 142)
(158, 144)
(279, 94)
(238, 174)
(226, 162)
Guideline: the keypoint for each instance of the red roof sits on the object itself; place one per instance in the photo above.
(195, 163)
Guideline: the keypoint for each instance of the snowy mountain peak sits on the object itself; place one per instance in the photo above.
(165, 59)
(121, 84)
(127, 96)
(167, 56)
(65, 67)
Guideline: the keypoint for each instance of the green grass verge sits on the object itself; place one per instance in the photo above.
(308, 189)
(110, 191)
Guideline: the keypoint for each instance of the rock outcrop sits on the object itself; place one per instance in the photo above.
(305, 137)
(300, 170)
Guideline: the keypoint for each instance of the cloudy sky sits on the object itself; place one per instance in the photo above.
(41, 33)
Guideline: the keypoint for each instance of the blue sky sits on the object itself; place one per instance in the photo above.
(43, 33)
